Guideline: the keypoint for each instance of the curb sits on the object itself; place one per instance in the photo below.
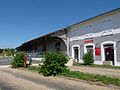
(5, 66)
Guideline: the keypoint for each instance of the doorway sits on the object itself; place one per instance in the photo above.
(76, 53)
(109, 53)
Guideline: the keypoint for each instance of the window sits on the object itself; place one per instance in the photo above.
(89, 48)
(44, 48)
(57, 46)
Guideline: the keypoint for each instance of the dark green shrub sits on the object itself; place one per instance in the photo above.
(88, 58)
(54, 63)
(18, 60)
(30, 61)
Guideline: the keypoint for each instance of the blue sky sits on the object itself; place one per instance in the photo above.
(23, 20)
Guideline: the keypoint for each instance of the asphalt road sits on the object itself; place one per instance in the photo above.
(7, 61)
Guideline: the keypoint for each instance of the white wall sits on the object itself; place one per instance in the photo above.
(106, 22)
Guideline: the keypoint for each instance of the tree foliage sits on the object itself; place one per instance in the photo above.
(18, 60)
(54, 63)
(88, 58)
(7, 52)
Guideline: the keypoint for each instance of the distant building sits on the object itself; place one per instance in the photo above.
(99, 35)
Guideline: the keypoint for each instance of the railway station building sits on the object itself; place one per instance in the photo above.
(99, 35)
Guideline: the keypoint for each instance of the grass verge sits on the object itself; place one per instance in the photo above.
(97, 66)
(86, 76)
(33, 68)
(93, 77)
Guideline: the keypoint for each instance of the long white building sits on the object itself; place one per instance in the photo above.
(99, 35)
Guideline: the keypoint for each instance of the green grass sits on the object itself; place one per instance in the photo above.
(34, 68)
(97, 66)
(93, 77)
(86, 76)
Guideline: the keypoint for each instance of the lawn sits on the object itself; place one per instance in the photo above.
(86, 76)
(34, 68)
(94, 78)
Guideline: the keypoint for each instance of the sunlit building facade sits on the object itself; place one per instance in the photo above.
(99, 35)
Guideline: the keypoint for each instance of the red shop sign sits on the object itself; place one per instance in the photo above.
(97, 51)
(88, 41)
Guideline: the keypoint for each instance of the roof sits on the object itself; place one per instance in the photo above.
(73, 25)
(117, 9)
(46, 35)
